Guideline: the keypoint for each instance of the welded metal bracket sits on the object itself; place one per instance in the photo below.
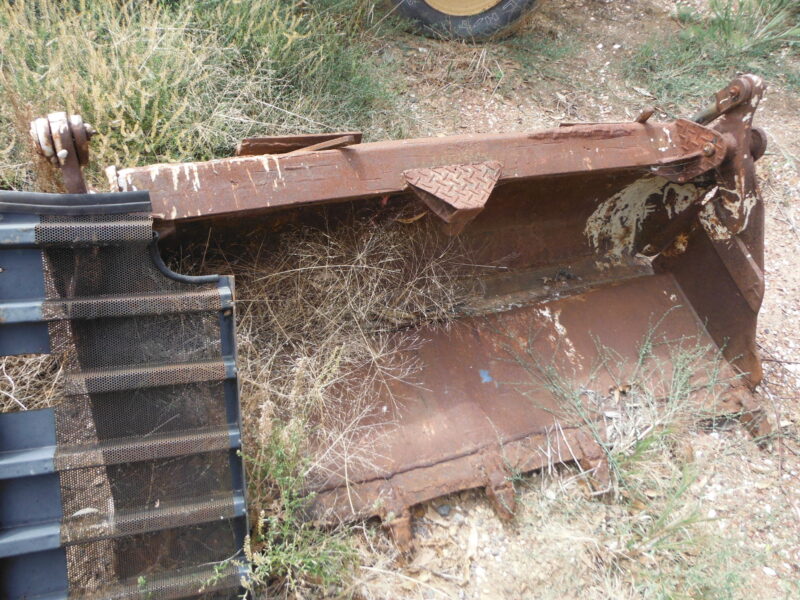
(737, 92)
(455, 193)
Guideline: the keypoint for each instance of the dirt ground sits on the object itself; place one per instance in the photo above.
(747, 497)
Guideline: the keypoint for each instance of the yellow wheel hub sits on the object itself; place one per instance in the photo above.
(462, 8)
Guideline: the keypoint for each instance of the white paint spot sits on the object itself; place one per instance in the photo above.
(196, 178)
(278, 168)
(175, 170)
(562, 341)
(712, 224)
(613, 226)
(677, 198)
(190, 173)
(748, 205)
(264, 160)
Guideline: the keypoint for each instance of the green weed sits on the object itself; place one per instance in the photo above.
(734, 36)
(287, 549)
(181, 80)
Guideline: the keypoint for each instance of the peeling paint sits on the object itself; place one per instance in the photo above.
(739, 210)
(712, 224)
(190, 173)
(264, 160)
(748, 205)
(677, 198)
(613, 226)
(278, 168)
(563, 341)
(175, 169)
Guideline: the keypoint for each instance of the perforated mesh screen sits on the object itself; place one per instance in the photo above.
(151, 484)
(140, 304)
(92, 230)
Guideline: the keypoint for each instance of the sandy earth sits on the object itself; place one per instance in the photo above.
(748, 496)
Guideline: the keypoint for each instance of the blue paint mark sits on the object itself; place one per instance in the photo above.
(485, 377)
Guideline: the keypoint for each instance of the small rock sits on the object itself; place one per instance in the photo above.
(769, 571)
(443, 509)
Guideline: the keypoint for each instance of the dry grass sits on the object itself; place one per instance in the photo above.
(29, 382)
(316, 313)
(180, 80)
(317, 308)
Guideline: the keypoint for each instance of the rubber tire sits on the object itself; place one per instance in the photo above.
(482, 26)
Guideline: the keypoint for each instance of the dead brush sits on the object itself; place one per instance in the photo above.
(670, 389)
(29, 382)
(647, 536)
(316, 311)
(644, 422)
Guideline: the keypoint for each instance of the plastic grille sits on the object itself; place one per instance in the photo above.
(162, 410)
(175, 549)
(93, 526)
(145, 450)
(87, 272)
(151, 483)
(159, 565)
(179, 338)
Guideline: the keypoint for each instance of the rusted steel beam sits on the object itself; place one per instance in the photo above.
(256, 183)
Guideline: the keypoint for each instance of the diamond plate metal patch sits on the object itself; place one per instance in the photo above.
(456, 193)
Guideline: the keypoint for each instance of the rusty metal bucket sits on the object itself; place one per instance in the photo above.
(599, 236)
